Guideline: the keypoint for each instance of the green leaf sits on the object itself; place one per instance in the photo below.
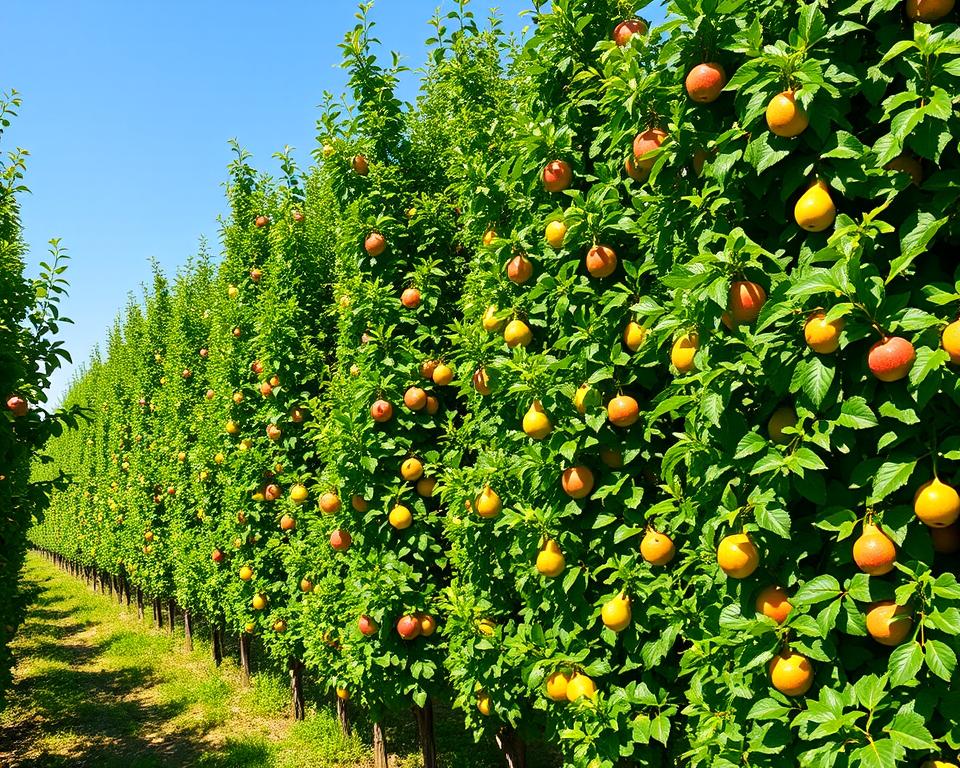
(940, 658)
(891, 476)
(823, 587)
(904, 664)
(908, 730)
(856, 414)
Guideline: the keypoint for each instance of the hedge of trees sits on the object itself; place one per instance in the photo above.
(29, 320)
(608, 392)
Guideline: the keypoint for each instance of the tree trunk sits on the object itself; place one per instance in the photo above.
(379, 747)
(428, 746)
(217, 650)
(172, 612)
(245, 659)
(187, 631)
(95, 574)
(343, 715)
(110, 585)
(512, 746)
(139, 603)
(158, 612)
(126, 589)
(296, 688)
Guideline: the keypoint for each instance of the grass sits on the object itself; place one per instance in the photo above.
(94, 687)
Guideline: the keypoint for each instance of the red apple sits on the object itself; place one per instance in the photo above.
(557, 176)
(891, 358)
(705, 82)
(410, 298)
(375, 244)
(367, 626)
(217, 556)
(381, 411)
(625, 31)
(340, 540)
(408, 627)
(19, 407)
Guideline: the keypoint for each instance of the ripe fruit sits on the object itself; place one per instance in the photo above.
(408, 627)
(946, 541)
(433, 405)
(425, 486)
(490, 321)
(907, 164)
(683, 352)
(249, 627)
(785, 117)
(261, 221)
(299, 494)
(481, 381)
(489, 236)
(298, 216)
(579, 686)
(517, 333)
(486, 627)
(536, 423)
(375, 244)
(442, 375)
(737, 556)
(623, 411)
(274, 432)
(616, 613)
(635, 173)
(411, 470)
(746, 300)
(484, 705)
(580, 398)
(343, 694)
(556, 233)
(427, 367)
(148, 536)
(791, 673)
(488, 503)
(601, 261)
(774, 603)
(938, 764)
(928, 10)
(657, 548)
(557, 176)
(233, 428)
(287, 523)
(272, 492)
(937, 504)
(246, 573)
(256, 274)
(519, 269)
(950, 341)
(577, 481)
(889, 623)
(359, 503)
(265, 389)
(891, 358)
(410, 298)
(415, 398)
(874, 552)
(381, 411)
(340, 540)
(557, 686)
(822, 335)
(360, 165)
(428, 624)
(705, 82)
(783, 417)
(815, 210)
(367, 626)
(550, 560)
(259, 602)
(625, 30)
(217, 556)
(400, 517)
(633, 335)
(645, 143)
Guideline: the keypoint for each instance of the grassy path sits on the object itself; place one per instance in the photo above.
(95, 687)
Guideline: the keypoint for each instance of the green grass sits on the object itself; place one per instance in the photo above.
(96, 687)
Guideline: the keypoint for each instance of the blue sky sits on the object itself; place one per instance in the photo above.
(128, 108)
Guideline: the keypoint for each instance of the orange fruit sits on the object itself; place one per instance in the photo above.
(889, 623)
(791, 673)
(821, 335)
(623, 411)
(774, 603)
(657, 548)
(874, 552)
(785, 117)
(737, 556)
(577, 481)
(937, 504)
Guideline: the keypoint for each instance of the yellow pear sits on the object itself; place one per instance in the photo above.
(535, 421)
(616, 613)
(488, 503)
(550, 561)
(815, 210)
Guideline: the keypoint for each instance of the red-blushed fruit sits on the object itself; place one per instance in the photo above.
(287, 523)
(306, 585)
(360, 165)
(557, 176)
(274, 432)
(410, 298)
(330, 503)
(256, 274)
(272, 492)
(519, 269)
(874, 552)
(375, 244)
(298, 216)
(601, 261)
(577, 481)
(408, 627)
(891, 358)
(367, 626)
(889, 623)
(773, 602)
(381, 411)
(623, 411)
(261, 221)
(359, 503)
(340, 540)
(928, 10)
(265, 389)
(625, 30)
(433, 405)
(635, 173)
(18, 406)
(415, 398)
(257, 367)
(644, 143)
(705, 82)
(746, 299)
(427, 368)
(217, 556)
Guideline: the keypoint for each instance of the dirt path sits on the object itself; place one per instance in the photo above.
(95, 687)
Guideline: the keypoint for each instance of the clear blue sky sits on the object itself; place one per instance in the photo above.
(128, 108)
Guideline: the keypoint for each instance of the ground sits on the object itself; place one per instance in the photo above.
(96, 687)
